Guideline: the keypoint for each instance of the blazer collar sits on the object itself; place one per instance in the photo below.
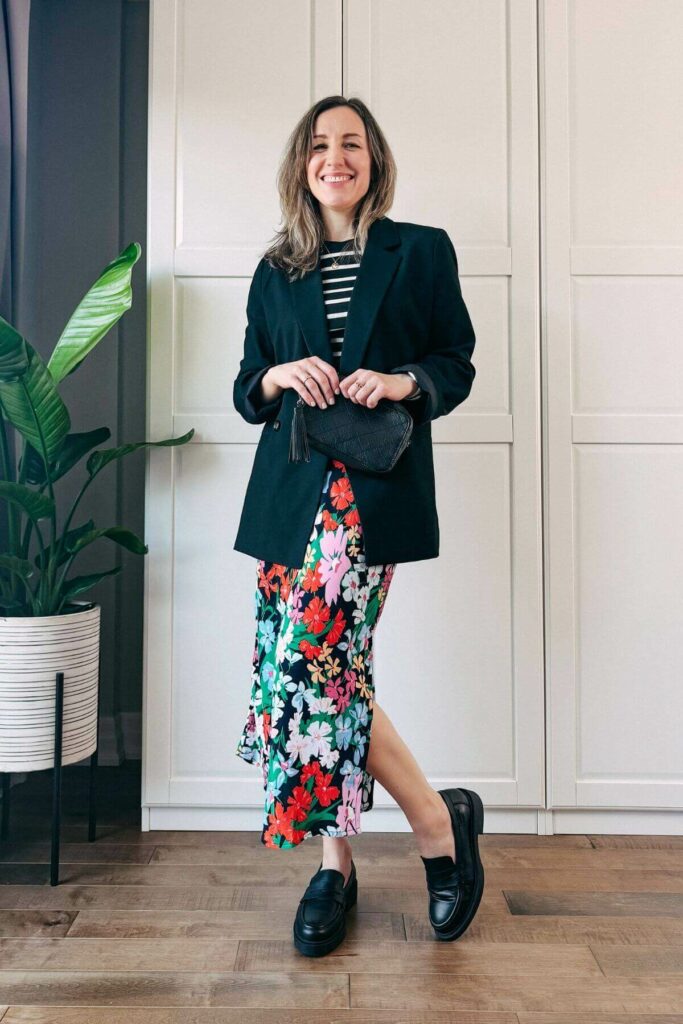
(378, 265)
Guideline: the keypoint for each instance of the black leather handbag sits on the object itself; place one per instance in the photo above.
(371, 440)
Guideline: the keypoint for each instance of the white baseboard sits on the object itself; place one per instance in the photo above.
(523, 821)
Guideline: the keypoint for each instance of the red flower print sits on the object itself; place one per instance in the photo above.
(293, 835)
(324, 791)
(329, 522)
(266, 726)
(312, 769)
(266, 581)
(280, 824)
(311, 580)
(341, 493)
(277, 819)
(310, 650)
(299, 803)
(285, 587)
(316, 614)
(352, 517)
(337, 628)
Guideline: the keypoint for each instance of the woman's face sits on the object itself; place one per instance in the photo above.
(339, 149)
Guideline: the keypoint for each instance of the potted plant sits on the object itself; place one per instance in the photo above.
(44, 630)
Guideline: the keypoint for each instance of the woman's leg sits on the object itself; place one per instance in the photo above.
(391, 762)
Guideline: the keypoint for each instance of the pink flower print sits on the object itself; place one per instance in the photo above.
(348, 814)
(295, 611)
(339, 694)
(334, 562)
(350, 681)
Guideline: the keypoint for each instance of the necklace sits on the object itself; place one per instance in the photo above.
(335, 265)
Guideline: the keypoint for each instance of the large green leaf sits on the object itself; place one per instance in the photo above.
(80, 583)
(73, 448)
(98, 460)
(13, 353)
(126, 538)
(43, 558)
(33, 405)
(36, 506)
(99, 309)
(16, 566)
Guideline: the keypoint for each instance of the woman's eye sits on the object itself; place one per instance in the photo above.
(321, 145)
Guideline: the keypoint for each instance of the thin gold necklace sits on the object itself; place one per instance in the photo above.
(334, 265)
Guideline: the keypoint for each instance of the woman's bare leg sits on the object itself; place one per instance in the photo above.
(392, 763)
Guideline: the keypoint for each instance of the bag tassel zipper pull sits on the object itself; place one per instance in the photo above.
(298, 438)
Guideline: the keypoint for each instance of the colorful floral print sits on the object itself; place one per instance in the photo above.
(310, 712)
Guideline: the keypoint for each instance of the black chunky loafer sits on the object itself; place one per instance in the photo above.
(320, 923)
(456, 887)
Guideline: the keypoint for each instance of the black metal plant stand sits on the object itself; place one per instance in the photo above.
(57, 780)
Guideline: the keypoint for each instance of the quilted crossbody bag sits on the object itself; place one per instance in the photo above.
(371, 440)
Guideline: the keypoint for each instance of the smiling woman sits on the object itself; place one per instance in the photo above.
(345, 301)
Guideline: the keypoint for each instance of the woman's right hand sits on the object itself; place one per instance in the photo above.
(315, 380)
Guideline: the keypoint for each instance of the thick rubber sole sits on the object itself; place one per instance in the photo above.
(477, 809)
(311, 948)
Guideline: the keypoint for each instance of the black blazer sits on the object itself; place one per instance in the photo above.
(406, 313)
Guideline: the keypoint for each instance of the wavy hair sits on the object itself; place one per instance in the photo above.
(296, 246)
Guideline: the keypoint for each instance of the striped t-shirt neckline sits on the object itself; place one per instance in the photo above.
(337, 288)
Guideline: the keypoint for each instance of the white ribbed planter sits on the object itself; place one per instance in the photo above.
(32, 651)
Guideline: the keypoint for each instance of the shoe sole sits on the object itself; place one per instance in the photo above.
(477, 819)
(311, 948)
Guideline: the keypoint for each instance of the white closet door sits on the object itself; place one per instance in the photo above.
(459, 652)
(613, 301)
(224, 80)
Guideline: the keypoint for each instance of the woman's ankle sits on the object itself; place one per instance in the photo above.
(337, 854)
(434, 832)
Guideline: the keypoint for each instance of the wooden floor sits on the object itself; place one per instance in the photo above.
(161, 927)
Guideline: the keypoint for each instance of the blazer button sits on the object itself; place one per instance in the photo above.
(276, 424)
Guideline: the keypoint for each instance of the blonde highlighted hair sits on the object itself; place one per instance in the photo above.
(297, 243)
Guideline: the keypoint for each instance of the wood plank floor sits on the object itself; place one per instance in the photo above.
(195, 928)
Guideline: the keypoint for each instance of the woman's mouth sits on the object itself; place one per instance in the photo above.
(336, 180)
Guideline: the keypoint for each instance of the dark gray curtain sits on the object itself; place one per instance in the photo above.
(14, 33)
(73, 169)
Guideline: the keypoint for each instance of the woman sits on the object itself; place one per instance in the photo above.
(346, 302)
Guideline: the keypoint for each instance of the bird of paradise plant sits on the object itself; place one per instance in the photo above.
(30, 401)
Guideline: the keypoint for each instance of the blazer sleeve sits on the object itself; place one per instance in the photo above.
(445, 373)
(258, 357)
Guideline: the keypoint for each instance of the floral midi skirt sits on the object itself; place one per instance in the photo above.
(310, 712)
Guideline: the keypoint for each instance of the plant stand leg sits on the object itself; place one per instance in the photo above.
(57, 780)
(4, 824)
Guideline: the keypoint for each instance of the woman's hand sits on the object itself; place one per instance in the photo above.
(366, 387)
(315, 380)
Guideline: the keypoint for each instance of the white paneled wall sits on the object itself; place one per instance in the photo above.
(566, 237)
(612, 300)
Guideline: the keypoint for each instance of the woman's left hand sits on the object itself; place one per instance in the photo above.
(366, 387)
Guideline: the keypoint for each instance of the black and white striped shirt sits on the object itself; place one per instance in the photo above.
(337, 288)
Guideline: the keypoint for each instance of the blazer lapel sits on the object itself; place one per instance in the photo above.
(378, 265)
